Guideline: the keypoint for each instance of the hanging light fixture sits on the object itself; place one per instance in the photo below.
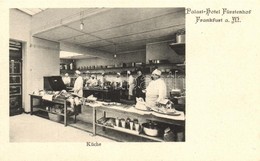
(81, 21)
(115, 52)
(81, 26)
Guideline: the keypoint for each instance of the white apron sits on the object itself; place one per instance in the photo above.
(78, 86)
(131, 85)
(155, 91)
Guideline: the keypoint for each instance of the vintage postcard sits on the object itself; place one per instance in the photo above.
(130, 80)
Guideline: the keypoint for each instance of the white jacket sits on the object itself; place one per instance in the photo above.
(155, 92)
(92, 82)
(118, 80)
(131, 85)
(78, 86)
(66, 80)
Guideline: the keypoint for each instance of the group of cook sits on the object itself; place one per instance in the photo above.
(152, 94)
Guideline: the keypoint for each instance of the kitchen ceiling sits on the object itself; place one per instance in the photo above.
(32, 11)
(119, 30)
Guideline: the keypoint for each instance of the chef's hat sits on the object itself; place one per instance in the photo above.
(77, 72)
(66, 74)
(118, 73)
(92, 76)
(157, 72)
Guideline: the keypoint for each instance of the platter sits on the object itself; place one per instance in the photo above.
(171, 112)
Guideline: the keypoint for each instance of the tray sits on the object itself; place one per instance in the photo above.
(175, 113)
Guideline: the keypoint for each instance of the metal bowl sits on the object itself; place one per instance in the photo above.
(150, 129)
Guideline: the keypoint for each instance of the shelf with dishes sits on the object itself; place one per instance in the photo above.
(164, 65)
(131, 130)
(148, 125)
(139, 134)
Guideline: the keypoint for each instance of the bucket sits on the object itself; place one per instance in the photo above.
(54, 117)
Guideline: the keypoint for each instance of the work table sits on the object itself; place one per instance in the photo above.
(131, 112)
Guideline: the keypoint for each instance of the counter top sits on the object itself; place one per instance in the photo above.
(132, 109)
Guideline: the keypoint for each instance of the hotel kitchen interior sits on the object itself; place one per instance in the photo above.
(118, 73)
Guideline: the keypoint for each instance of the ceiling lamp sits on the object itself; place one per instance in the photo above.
(81, 26)
(115, 51)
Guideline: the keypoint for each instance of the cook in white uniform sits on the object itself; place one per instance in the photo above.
(92, 82)
(156, 90)
(118, 80)
(78, 85)
(131, 85)
(102, 80)
(66, 79)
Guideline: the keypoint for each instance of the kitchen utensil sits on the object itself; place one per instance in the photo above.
(137, 126)
(131, 125)
(123, 123)
(117, 122)
(176, 92)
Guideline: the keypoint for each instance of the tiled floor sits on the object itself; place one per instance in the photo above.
(27, 128)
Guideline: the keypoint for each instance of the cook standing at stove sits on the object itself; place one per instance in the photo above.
(102, 80)
(78, 85)
(131, 85)
(92, 82)
(86, 77)
(66, 79)
(156, 90)
(118, 80)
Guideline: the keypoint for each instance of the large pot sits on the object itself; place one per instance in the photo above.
(181, 100)
(150, 129)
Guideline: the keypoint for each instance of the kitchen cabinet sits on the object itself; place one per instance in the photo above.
(41, 106)
(15, 83)
(131, 112)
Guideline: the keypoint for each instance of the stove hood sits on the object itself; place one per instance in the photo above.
(179, 48)
(53, 83)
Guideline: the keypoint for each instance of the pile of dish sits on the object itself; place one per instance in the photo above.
(111, 103)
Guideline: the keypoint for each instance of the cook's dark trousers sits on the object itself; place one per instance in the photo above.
(139, 93)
